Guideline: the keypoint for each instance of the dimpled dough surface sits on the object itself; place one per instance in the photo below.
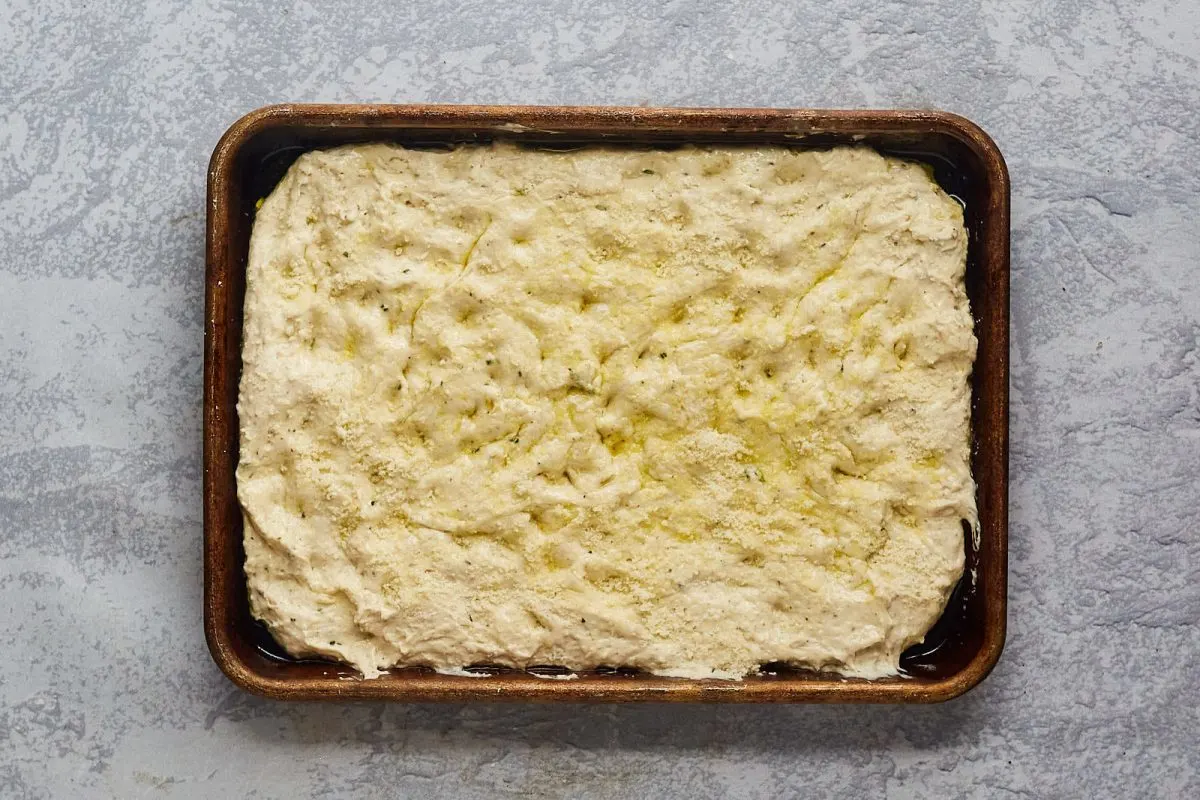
(689, 411)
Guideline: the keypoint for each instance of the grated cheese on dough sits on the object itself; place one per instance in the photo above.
(690, 411)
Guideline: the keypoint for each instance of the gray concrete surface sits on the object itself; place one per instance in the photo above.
(108, 112)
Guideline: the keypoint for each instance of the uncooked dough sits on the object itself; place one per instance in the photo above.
(687, 410)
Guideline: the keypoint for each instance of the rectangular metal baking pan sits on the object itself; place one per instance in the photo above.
(256, 151)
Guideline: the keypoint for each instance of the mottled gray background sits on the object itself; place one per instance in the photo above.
(108, 112)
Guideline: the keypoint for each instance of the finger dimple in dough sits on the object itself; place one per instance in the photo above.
(688, 410)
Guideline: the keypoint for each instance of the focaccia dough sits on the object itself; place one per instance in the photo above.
(686, 410)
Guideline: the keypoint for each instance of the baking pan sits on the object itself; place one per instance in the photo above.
(254, 154)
